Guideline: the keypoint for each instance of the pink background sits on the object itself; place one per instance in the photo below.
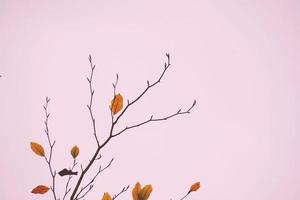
(239, 59)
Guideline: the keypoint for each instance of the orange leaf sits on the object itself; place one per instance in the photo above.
(37, 149)
(145, 192)
(75, 151)
(136, 190)
(195, 187)
(41, 189)
(106, 196)
(117, 104)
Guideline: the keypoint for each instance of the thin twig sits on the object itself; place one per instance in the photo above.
(90, 79)
(179, 112)
(113, 101)
(185, 195)
(99, 157)
(93, 179)
(166, 66)
(122, 191)
(67, 189)
(84, 171)
(48, 160)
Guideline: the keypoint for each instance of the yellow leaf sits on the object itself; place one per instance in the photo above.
(41, 189)
(75, 151)
(117, 104)
(106, 196)
(145, 192)
(37, 148)
(136, 190)
(195, 187)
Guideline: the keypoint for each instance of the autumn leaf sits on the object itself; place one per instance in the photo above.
(136, 190)
(75, 151)
(145, 192)
(41, 189)
(141, 194)
(37, 148)
(194, 187)
(117, 104)
(106, 196)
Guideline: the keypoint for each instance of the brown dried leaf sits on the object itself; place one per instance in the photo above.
(117, 104)
(75, 151)
(66, 171)
(195, 187)
(37, 149)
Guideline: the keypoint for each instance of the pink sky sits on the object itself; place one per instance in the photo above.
(239, 59)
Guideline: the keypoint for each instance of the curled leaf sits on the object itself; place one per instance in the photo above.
(40, 189)
(194, 187)
(37, 149)
(75, 151)
(106, 196)
(65, 172)
(117, 104)
(136, 190)
(145, 192)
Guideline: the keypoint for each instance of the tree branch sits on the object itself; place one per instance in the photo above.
(89, 185)
(115, 88)
(90, 79)
(67, 189)
(84, 171)
(48, 160)
(122, 191)
(179, 112)
(166, 66)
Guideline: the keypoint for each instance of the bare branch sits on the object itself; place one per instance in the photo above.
(166, 66)
(90, 79)
(115, 84)
(85, 170)
(90, 188)
(88, 185)
(179, 112)
(51, 144)
(122, 191)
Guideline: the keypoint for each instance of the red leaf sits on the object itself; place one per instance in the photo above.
(41, 189)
